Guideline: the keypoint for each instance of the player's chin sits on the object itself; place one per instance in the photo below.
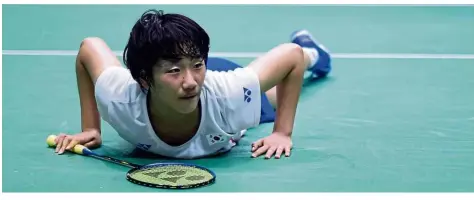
(188, 105)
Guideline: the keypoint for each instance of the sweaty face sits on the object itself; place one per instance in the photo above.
(177, 83)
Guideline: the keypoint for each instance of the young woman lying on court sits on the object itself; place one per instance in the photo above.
(174, 101)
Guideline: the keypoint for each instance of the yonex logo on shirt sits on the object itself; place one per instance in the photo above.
(247, 94)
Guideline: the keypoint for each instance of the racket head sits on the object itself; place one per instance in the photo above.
(171, 176)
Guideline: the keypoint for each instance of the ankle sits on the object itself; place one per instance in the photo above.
(311, 56)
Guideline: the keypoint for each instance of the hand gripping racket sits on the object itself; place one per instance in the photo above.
(158, 175)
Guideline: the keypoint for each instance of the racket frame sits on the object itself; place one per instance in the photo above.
(82, 150)
(130, 172)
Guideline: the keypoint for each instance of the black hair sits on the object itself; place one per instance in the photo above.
(157, 36)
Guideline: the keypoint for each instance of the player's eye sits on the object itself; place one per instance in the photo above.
(173, 70)
(198, 65)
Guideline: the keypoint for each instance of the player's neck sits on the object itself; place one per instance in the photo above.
(164, 113)
(172, 127)
(165, 118)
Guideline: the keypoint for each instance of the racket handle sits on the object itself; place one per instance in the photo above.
(79, 149)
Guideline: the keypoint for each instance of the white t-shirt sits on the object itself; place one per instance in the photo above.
(230, 104)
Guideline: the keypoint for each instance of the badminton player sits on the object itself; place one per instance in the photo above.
(170, 98)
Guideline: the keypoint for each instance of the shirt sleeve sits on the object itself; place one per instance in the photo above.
(238, 95)
(114, 84)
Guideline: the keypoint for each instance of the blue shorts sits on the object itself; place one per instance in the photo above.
(221, 64)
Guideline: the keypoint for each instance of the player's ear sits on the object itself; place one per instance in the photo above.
(144, 84)
(144, 80)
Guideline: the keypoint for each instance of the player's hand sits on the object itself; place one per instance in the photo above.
(90, 139)
(274, 144)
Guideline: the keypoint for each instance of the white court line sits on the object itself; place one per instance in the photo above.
(257, 54)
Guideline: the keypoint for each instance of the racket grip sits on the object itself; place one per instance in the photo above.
(78, 149)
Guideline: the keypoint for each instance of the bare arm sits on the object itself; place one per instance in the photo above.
(94, 55)
(282, 67)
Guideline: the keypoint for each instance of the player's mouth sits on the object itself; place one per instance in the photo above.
(188, 97)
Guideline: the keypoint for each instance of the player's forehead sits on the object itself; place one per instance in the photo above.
(181, 60)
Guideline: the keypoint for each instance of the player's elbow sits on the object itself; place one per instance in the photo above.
(92, 46)
(87, 47)
(292, 49)
(296, 55)
(90, 41)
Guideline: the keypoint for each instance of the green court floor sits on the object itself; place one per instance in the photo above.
(375, 125)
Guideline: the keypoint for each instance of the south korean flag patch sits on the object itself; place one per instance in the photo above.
(215, 139)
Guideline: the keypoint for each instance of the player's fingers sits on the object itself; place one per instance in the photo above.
(287, 151)
(279, 151)
(260, 151)
(72, 144)
(92, 144)
(59, 141)
(64, 144)
(270, 152)
(257, 144)
(61, 135)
